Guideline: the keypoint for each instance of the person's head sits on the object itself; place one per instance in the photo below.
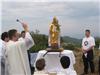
(87, 33)
(5, 36)
(23, 34)
(40, 64)
(65, 62)
(13, 35)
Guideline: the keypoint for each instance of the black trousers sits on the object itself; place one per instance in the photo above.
(88, 62)
(31, 68)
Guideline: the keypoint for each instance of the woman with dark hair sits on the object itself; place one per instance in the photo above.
(5, 37)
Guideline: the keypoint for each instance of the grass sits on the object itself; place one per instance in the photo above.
(79, 62)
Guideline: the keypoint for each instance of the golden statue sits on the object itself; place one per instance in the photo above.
(54, 38)
(54, 34)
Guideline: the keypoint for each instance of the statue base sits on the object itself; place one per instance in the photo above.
(54, 50)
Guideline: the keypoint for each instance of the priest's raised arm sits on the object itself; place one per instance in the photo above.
(24, 45)
(28, 42)
(16, 52)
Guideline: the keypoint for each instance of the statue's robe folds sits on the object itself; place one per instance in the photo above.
(54, 35)
(17, 57)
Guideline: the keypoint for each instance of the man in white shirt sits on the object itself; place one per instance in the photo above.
(16, 52)
(65, 62)
(88, 44)
(2, 57)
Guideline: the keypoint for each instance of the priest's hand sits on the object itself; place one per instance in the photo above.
(25, 26)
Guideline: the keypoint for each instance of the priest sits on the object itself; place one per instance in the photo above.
(16, 52)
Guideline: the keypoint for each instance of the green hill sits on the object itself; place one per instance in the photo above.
(41, 42)
(74, 41)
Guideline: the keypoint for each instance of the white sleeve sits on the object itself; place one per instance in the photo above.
(92, 42)
(29, 40)
(2, 48)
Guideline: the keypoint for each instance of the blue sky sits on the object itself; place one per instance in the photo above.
(74, 17)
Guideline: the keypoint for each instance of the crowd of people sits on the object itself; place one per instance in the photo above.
(14, 55)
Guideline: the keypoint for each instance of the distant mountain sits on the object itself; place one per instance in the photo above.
(68, 39)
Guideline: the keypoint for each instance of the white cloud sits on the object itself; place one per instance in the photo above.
(74, 17)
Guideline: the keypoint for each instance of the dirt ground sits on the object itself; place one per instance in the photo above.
(79, 63)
